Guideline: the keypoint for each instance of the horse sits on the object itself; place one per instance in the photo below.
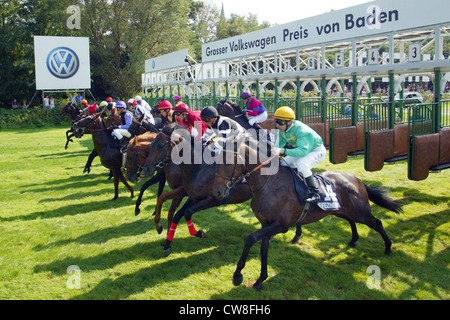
(276, 205)
(74, 113)
(138, 127)
(112, 119)
(232, 110)
(110, 156)
(197, 179)
(137, 153)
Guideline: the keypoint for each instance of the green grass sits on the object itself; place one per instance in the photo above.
(52, 216)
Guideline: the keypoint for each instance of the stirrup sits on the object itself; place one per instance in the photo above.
(313, 197)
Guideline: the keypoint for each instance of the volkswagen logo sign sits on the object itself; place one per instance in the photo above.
(63, 62)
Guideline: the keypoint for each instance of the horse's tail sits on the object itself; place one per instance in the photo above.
(380, 198)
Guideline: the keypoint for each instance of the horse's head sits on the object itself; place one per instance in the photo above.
(228, 108)
(85, 125)
(137, 153)
(249, 157)
(160, 150)
(113, 119)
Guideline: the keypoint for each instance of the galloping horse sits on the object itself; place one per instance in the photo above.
(276, 205)
(137, 153)
(198, 180)
(110, 156)
(74, 113)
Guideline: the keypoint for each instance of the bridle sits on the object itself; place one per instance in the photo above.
(161, 164)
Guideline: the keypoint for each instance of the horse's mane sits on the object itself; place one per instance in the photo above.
(233, 105)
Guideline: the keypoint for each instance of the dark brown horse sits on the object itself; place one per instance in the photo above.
(75, 114)
(198, 179)
(110, 156)
(277, 206)
(231, 110)
(137, 153)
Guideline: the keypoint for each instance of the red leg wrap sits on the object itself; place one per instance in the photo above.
(191, 228)
(171, 232)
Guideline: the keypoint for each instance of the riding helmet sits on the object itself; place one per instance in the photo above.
(284, 113)
(121, 104)
(209, 112)
(245, 95)
(164, 105)
(182, 107)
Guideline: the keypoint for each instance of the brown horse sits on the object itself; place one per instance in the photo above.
(198, 179)
(137, 153)
(74, 113)
(277, 207)
(110, 156)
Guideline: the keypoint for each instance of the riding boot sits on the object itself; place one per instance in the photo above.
(313, 190)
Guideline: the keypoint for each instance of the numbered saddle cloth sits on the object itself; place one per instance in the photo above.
(327, 192)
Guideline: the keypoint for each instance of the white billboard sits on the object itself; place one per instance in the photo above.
(62, 63)
(363, 20)
(168, 61)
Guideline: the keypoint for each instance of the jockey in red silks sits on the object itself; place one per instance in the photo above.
(190, 120)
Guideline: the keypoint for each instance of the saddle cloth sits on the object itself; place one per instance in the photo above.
(328, 197)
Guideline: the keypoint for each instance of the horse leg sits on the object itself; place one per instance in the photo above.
(376, 224)
(161, 199)
(298, 233)
(68, 138)
(188, 209)
(175, 203)
(173, 227)
(355, 235)
(265, 232)
(125, 182)
(87, 167)
(144, 187)
(162, 183)
(116, 182)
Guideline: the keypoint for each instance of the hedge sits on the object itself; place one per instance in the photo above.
(34, 117)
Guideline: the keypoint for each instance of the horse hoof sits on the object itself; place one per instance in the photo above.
(257, 286)
(295, 240)
(137, 211)
(115, 198)
(201, 234)
(154, 213)
(167, 251)
(237, 281)
(387, 252)
(159, 230)
(352, 244)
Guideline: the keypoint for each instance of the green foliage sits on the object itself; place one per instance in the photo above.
(32, 118)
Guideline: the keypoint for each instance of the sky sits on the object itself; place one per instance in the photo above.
(282, 11)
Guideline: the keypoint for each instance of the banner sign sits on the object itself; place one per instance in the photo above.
(168, 61)
(365, 20)
(62, 63)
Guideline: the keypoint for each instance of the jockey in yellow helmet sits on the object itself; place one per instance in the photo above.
(306, 148)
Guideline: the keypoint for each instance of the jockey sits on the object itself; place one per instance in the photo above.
(306, 148)
(222, 128)
(111, 105)
(132, 103)
(177, 100)
(166, 112)
(143, 108)
(256, 112)
(126, 119)
(187, 118)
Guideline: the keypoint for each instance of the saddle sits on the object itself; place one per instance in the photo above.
(327, 192)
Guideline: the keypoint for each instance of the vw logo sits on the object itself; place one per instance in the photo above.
(62, 62)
